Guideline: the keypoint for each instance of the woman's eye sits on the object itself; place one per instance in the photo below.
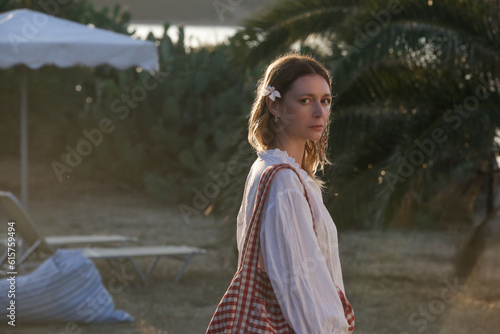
(326, 101)
(305, 100)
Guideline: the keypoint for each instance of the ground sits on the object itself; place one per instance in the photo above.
(398, 282)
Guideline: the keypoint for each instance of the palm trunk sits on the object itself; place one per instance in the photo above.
(473, 248)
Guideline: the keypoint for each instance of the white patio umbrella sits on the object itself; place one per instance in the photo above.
(35, 39)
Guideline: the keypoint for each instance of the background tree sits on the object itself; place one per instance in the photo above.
(417, 103)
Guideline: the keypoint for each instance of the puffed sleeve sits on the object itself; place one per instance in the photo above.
(294, 263)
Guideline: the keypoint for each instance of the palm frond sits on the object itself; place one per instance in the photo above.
(424, 48)
(400, 74)
(290, 21)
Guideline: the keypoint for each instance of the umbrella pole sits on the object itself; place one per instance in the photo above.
(24, 137)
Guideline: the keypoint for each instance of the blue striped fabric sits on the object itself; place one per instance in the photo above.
(66, 287)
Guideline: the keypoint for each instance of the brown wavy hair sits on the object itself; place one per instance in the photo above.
(281, 74)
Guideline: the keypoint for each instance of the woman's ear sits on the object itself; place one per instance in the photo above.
(272, 106)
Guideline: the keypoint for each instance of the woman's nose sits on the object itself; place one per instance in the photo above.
(318, 110)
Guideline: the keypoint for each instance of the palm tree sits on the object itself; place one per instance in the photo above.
(417, 108)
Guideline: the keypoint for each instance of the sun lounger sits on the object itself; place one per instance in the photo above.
(34, 243)
(68, 240)
(183, 253)
(13, 209)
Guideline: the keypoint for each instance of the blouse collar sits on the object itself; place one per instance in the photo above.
(278, 156)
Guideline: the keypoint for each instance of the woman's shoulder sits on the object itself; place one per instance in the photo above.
(290, 178)
(276, 157)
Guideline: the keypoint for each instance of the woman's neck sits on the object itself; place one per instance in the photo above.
(294, 150)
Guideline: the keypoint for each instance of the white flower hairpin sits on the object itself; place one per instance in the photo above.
(272, 92)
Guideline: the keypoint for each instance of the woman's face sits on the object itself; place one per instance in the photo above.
(304, 110)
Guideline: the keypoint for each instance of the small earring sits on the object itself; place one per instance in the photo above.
(276, 118)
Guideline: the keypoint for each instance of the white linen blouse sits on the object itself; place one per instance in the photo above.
(301, 265)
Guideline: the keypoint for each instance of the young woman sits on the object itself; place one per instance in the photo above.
(289, 124)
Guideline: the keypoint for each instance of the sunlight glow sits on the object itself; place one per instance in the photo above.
(195, 35)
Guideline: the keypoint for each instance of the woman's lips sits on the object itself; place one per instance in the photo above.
(317, 127)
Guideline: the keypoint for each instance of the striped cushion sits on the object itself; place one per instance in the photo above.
(66, 287)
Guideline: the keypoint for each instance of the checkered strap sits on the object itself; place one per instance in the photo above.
(348, 311)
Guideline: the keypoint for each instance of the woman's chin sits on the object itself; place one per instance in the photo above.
(315, 138)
